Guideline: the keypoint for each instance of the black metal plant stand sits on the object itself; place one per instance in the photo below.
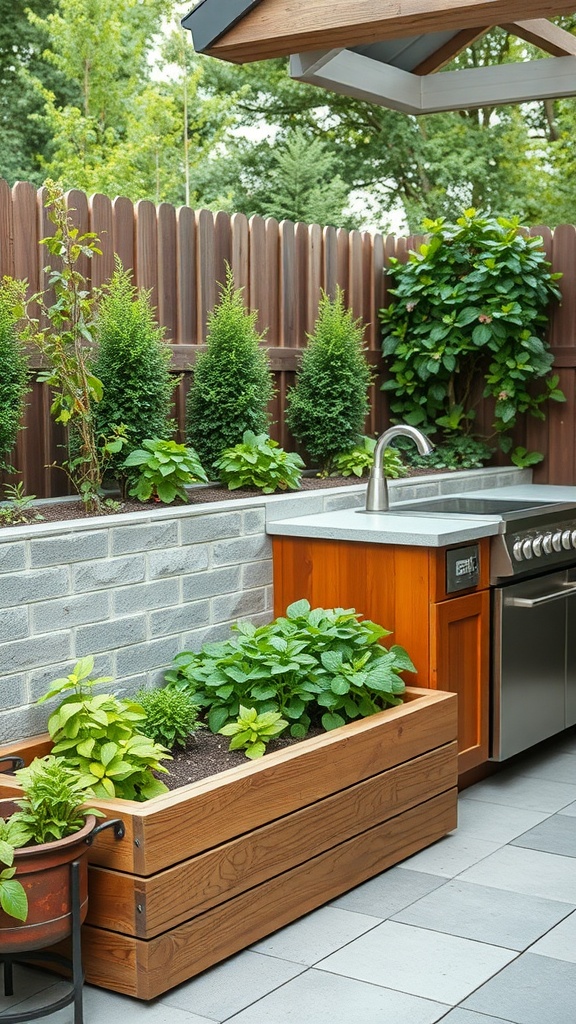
(73, 963)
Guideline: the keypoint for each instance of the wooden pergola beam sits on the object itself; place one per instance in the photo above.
(545, 35)
(276, 28)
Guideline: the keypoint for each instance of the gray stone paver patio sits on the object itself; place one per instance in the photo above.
(478, 929)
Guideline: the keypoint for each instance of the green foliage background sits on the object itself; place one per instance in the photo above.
(144, 116)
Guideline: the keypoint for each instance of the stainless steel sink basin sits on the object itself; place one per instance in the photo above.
(462, 505)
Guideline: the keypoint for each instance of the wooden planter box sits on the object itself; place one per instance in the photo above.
(210, 868)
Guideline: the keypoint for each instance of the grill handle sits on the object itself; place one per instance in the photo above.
(534, 602)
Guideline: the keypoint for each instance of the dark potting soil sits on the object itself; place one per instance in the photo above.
(207, 754)
(59, 511)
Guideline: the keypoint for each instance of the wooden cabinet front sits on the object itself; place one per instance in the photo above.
(459, 662)
(404, 589)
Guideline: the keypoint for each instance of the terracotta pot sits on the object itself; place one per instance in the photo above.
(45, 873)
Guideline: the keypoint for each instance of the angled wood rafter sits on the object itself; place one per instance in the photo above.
(545, 35)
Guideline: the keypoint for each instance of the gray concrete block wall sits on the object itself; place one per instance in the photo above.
(134, 591)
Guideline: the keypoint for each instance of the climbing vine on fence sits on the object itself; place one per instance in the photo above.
(471, 303)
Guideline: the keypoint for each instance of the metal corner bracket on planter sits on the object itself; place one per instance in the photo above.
(212, 867)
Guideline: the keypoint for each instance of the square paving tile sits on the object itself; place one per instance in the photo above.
(527, 871)
(101, 1007)
(451, 855)
(389, 892)
(555, 835)
(440, 967)
(229, 987)
(478, 912)
(532, 990)
(560, 942)
(560, 766)
(459, 1016)
(533, 794)
(315, 936)
(570, 810)
(495, 823)
(319, 998)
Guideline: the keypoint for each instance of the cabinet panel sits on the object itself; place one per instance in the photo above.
(459, 662)
(386, 583)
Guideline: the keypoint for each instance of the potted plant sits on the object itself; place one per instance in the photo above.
(215, 865)
(41, 834)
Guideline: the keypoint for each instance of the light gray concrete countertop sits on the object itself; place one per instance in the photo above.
(426, 530)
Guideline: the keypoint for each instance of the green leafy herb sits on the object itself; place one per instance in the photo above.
(252, 731)
(164, 469)
(99, 735)
(304, 666)
(259, 462)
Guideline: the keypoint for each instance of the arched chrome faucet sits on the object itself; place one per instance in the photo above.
(377, 490)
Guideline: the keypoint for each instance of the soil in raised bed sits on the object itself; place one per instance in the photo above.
(59, 511)
(207, 754)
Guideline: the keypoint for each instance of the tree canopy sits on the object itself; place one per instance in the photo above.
(108, 95)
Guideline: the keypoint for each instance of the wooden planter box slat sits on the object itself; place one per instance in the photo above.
(146, 969)
(212, 867)
(172, 896)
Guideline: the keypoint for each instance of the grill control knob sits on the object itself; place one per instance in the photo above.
(573, 537)
(557, 541)
(537, 546)
(547, 543)
(517, 550)
(566, 540)
(527, 548)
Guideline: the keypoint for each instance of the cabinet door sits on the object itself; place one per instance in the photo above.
(460, 663)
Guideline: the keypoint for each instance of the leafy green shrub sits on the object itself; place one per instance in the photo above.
(459, 452)
(251, 731)
(164, 468)
(360, 459)
(470, 305)
(259, 462)
(312, 667)
(328, 405)
(133, 364)
(99, 735)
(13, 368)
(171, 716)
(232, 383)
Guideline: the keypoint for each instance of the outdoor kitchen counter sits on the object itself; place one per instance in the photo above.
(434, 531)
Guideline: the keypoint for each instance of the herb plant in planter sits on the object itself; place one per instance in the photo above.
(312, 667)
(259, 462)
(40, 834)
(98, 736)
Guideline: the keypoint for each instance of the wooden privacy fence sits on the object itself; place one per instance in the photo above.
(180, 255)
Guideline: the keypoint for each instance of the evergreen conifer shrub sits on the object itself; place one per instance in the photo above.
(232, 383)
(328, 405)
(133, 364)
(13, 369)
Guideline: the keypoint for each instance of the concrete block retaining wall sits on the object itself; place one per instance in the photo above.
(134, 591)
